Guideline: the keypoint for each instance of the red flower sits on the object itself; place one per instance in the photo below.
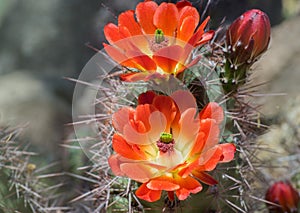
(155, 38)
(285, 196)
(248, 37)
(165, 144)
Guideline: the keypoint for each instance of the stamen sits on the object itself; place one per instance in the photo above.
(159, 36)
(159, 41)
(166, 142)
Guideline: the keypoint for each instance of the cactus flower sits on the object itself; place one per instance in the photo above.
(155, 39)
(167, 145)
(285, 196)
(248, 37)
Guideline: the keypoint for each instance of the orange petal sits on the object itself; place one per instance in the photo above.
(198, 34)
(189, 11)
(139, 171)
(166, 105)
(188, 21)
(228, 151)
(167, 58)
(127, 20)
(147, 194)
(126, 150)
(133, 59)
(111, 33)
(181, 4)
(142, 113)
(144, 62)
(184, 100)
(211, 130)
(122, 118)
(114, 163)
(134, 76)
(213, 111)
(170, 160)
(171, 195)
(146, 98)
(120, 57)
(187, 169)
(209, 160)
(163, 183)
(187, 185)
(189, 128)
(166, 18)
(186, 29)
(144, 14)
(205, 178)
(206, 37)
(198, 145)
(192, 63)
(158, 125)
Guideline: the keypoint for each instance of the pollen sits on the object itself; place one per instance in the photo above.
(159, 36)
(159, 41)
(166, 142)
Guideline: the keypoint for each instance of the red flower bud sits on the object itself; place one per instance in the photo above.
(285, 196)
(248, 37)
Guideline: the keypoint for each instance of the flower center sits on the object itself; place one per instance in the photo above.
(159, 41)
(159, 36)
(165, 142)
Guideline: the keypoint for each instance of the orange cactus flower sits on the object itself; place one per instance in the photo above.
(155, 39)
(167, 145)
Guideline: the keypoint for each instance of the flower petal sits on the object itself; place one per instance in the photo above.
(127, 20)
(166, 105)
(186, 29)
(114, 163)
(189, 11)
(166, 18)
(209, 159)
(126, 150)
(187, 185)
(141, 116)
(170, 159)
(132, 58)
(139, 171)
(147, 194)
(120, 57)
(157, 123)
(184, 100)
(211, 134)
(181, 4)
(228, 152)
(205, 37)
(163, 183)
(189, 128)
(212, 111)
(144, 14)
(205, 178)
(188, 21)
(121, 118)
(111, 33)
(144, 61)
(198, 34)
(167, 58)
(146, 98)
(134, 76)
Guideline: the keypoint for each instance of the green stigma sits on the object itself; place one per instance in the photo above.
(159, 36)
(166, 137)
